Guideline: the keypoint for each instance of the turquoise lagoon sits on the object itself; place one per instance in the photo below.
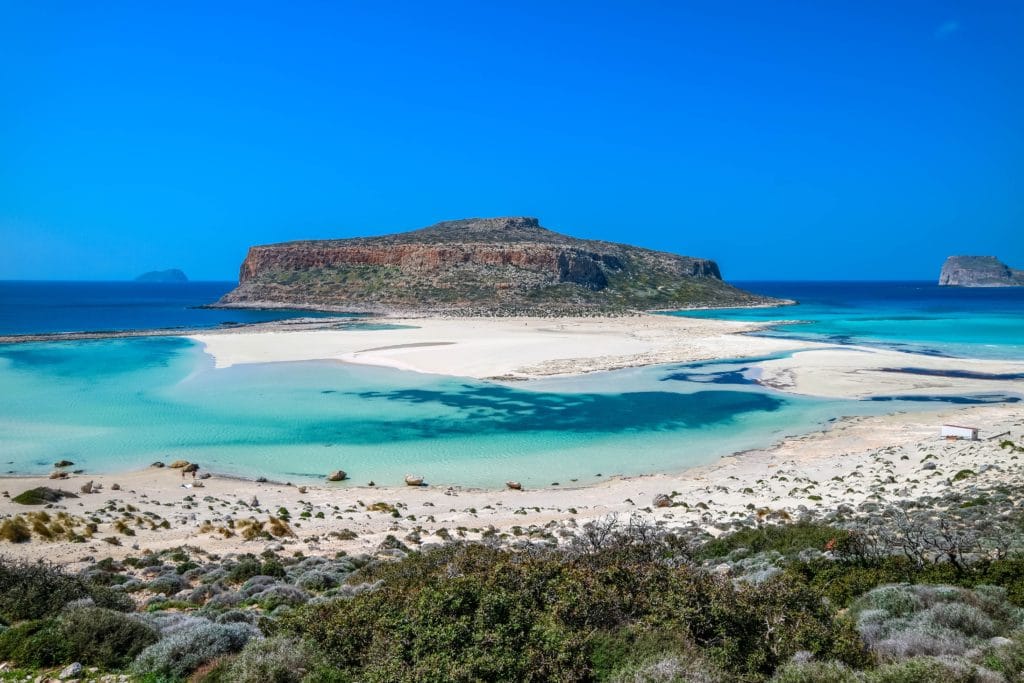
(921, 317)
(120, 404)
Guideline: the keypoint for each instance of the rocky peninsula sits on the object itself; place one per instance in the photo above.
(479, 266)
(979, 271)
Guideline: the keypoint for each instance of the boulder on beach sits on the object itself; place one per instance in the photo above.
(178, 464)
(413, 480)
(662, 501)
(337, 475)
(157, 464)
(58, 475)
(514, 485)
(86, 487)
(191, 467)
(63, 463)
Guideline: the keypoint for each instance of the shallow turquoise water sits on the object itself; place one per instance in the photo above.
(122, 403)
(912, 316)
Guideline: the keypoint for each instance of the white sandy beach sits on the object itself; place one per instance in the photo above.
(503, 347)
(523, 348)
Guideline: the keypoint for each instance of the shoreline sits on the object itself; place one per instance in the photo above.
(806, 472)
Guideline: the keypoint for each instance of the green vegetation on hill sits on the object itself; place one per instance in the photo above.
(480, 266)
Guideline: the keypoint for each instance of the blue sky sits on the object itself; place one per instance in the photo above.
(815, 140)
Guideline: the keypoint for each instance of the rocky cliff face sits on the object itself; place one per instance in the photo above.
(479, 266)
(979, 271)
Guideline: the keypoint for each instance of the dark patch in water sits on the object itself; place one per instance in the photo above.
(958, 374)
(726, 377)
(496, 408)
(958, 400)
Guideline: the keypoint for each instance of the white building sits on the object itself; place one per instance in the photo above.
(959, 432)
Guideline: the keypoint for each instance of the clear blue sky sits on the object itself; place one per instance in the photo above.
(786, 140)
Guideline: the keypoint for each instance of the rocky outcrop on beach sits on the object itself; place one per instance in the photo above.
(479, 266)
(171, 275)
(979, 271)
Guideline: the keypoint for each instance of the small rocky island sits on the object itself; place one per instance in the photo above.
(171, 275)
(979, 271)
(479, 266)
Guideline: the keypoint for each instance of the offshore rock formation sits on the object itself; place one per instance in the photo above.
(172, 275)
(979, 271)
(479, 266)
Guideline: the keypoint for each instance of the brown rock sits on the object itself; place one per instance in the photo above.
(514, 485)
(662, 501)
(413, 480)
(337, 475)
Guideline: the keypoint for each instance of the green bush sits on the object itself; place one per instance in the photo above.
(104, 638)
(35, 590)
(816, 672)
(470, 612)
(91, 635)
(244, 569)
(38, 643)
(41, 495)
(786, 539)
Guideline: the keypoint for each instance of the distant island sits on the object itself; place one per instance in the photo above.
(979, 271)
(170, 275)
(480, 266)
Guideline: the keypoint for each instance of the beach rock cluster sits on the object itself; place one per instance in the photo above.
(479, 266)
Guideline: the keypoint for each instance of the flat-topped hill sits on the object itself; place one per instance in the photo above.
(479, 266)
(979, 271)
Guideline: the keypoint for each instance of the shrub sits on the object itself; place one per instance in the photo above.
(103, 637)
(316, 580)
(280, 594)
(34, 644)
(467, 612)
(167, 584)
(41, 495)
(34, 590)
(786, 539)
(669, 669)
(932, 670)
(272, 660)
(245, 569)
(179, 654)
(816, 672)
(905, 621)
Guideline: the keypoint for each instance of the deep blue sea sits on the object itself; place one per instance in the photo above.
(28, 307)
(118, 404)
